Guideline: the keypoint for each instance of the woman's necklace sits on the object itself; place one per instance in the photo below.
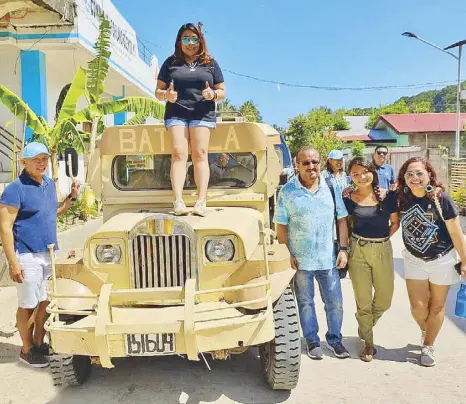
(192, 66)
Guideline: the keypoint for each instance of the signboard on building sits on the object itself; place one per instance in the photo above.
(123, 38)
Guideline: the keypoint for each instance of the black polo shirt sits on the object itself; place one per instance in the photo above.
(189, 83)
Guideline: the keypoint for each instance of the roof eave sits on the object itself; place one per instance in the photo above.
(65, 8)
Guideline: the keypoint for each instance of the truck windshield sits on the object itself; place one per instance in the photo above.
(227, 170)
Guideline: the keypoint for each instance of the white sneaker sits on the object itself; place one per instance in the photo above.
(427, 356)
(200, 207)
(180, 208)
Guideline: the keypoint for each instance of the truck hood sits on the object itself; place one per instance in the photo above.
(244, 222)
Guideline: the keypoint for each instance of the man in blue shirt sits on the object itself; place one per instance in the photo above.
(28, 223)
(385, 172)
(305, 220)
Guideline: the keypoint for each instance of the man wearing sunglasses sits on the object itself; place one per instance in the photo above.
(385, 172)
(305, 218)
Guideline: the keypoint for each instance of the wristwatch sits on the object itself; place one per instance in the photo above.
(215, 95)
(345, 248)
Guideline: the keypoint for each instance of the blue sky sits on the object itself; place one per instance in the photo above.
(332, 43)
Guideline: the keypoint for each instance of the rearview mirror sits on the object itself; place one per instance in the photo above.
(71, 162)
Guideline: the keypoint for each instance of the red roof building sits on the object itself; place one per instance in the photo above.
(424, 130)
(422, 123)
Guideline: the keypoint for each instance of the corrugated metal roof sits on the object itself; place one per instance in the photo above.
(421, 123)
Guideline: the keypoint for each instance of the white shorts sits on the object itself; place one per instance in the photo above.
(37, 270)
(440, 271)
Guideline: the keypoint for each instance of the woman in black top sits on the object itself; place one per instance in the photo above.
(432, 235)
(191, 81)
(374, 215)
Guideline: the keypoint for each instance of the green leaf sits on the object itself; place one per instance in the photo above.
(20, 109)
(98, 67)
(138, 119)
(139, 105)
(76, 91)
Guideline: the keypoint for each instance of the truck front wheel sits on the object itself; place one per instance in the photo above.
(70, 370)
(281, 357)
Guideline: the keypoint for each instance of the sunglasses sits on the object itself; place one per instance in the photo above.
(382, 153)
(308, 163)
(411, 175)
(186, 40)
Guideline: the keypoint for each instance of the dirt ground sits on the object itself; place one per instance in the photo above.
(393, 377)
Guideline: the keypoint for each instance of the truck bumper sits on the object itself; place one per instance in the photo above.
(197, 327)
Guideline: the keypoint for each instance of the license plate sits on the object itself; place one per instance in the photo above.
(149, 344)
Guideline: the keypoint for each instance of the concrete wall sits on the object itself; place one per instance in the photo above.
(433, 141)
(439, 161)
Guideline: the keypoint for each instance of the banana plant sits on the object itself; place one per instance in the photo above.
(64, 132)
(142, 106)
(97, 70)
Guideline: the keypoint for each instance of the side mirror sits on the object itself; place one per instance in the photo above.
(71, 162)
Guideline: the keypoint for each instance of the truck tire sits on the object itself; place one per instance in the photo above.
(69, 370)
(281, 357)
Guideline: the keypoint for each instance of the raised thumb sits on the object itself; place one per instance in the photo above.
(207, 85)
(172, 85)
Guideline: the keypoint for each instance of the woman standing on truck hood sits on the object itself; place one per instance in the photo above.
(191, 81)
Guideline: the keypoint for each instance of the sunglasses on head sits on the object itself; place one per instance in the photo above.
(308, 163)
(186, 40)
(382, 153)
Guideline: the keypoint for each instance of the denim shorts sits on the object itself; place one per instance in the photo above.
(189, 123)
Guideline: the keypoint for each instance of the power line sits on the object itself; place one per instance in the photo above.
(335, 88)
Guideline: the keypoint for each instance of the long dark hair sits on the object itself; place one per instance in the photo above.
(363, 162)
(203, 55)
(404, 192)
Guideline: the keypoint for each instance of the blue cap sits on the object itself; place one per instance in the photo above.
(33, 149)
(335, 154)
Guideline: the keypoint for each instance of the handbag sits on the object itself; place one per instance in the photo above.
(342, 271)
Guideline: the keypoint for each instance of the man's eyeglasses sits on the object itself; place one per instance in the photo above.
(186, 40)
(411, 175)
(309, 162)
(382, 153)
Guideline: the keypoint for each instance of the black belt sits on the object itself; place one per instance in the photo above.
(440, 255)
(362, 242)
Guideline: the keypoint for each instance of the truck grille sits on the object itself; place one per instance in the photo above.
(161, 261)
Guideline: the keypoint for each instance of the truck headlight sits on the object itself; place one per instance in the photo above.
(108, 254)
(220, 250)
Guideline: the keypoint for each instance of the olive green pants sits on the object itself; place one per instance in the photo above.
(372, 275)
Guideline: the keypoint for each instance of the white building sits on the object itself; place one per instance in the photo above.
(44, 42)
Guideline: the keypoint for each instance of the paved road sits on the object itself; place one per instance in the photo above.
(394, 377)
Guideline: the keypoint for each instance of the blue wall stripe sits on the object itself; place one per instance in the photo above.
(34, 83)
(69, 35)
(120, 117)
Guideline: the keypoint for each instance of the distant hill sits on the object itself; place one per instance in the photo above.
(443, 100)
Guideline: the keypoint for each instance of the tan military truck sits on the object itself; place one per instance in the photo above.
(149, 283)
